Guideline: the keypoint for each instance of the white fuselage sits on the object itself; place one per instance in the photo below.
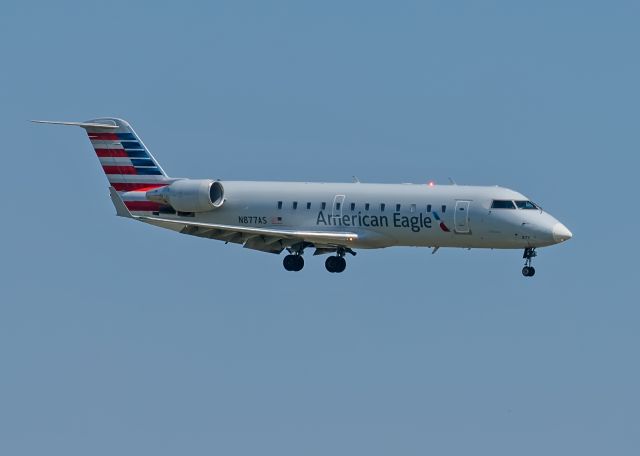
(385, 215)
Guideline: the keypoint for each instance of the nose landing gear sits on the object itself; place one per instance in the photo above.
(529, 254)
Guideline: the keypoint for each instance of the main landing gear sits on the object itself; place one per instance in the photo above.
(293, 262)
(337, 263)
(529, 254)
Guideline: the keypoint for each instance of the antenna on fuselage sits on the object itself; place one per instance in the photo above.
(452, 181)
(356, 180)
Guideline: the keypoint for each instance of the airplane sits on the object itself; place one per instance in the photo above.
(332, 218)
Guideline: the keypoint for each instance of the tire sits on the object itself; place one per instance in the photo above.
(289, 262)
(298, 263)
(525, 271)
(335, 264)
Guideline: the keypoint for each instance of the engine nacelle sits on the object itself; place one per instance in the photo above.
(190, 195)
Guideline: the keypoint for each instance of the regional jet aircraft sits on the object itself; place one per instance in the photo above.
(334, 219)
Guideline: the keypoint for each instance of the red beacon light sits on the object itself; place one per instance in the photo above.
(431, 184)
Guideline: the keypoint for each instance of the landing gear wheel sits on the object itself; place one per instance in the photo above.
(288, 262)
(529, 254)
(330, 263)
(293, 263)
(335, 264)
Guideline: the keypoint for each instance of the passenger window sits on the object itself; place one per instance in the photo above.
(526, 205)
(502, 204)
(444, 208)
(382, 207)
(308, 206)
(366, 207)
(412, 208)
(324, 206)
(279, 204)
(353, 206)
(397, 208)
(428, 207)
(295, 205)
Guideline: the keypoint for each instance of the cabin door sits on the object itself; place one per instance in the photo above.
(461, 217)
(338, 203)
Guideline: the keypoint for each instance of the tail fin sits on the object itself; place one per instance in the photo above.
(125, 159)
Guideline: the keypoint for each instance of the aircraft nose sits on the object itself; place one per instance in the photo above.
(561, 233)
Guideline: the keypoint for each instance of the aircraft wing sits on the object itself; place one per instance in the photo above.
(265, 239)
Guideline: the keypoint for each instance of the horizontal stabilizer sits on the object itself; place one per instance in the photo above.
(77, 124)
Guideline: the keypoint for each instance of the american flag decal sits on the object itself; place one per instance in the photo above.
(276, 220)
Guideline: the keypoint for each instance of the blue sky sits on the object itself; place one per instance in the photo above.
(119, 338)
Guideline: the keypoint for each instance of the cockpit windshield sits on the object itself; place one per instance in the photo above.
(526, 205)
(508, 204)
(502, 204)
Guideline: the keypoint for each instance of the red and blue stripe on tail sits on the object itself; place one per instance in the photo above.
(128, 164)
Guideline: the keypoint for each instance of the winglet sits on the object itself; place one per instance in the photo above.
(121, 209)
(77, 124)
